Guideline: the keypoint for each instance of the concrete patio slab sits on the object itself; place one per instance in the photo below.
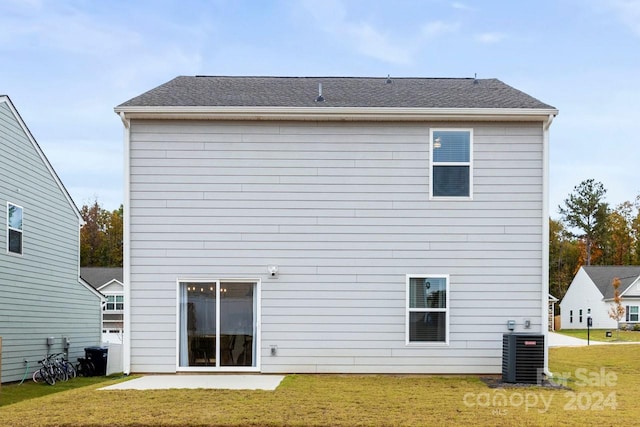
(219, 382)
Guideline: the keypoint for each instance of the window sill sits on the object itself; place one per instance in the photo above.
(427, 344)
(450, 198)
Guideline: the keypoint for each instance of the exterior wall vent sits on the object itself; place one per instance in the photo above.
(319, 98)
(522, 358)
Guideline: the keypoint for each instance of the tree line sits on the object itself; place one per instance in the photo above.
(590, 232)
(101, 236)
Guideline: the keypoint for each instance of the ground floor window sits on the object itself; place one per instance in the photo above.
(632, 313)
(217, 324)
(427, 309)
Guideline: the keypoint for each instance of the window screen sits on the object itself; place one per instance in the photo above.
(427, 309)
(14, 228)
(451, 163)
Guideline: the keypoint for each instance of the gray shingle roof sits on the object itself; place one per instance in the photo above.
(603, 276)
(186, 91)
(99, 276)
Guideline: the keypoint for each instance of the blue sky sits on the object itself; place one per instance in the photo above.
(66, 64)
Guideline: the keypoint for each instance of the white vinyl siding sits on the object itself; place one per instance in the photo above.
(342, 210)
(581, 294)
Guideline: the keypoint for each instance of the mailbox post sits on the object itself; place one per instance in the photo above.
(589, 325)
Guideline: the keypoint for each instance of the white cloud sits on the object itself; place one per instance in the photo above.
(437, 28)
(461, 6)
(371, 42)
(89, 169)
(331, 16)
(628, 12)
(63, 29)
(489, 38)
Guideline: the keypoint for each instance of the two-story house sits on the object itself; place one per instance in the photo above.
(44, 307)
(108, 281)
(328, 224)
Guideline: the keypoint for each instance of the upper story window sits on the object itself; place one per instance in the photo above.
(14, 229)
(427, 309)
(114, 302)
(451, 163)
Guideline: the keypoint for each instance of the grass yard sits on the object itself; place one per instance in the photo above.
(14, 393)
(600, 335)
(603, 381)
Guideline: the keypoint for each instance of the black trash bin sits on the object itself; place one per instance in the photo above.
(97, 356)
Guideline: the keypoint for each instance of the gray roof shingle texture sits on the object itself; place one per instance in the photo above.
(602, 277)
(99, 276)
(364, 92)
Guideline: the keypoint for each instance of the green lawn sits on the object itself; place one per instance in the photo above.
(16, 392)
(600, 335)
(602, 381)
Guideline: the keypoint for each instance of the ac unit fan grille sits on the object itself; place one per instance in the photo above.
(522, 358)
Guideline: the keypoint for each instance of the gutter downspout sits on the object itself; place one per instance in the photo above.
(545, 241)
(126, 333)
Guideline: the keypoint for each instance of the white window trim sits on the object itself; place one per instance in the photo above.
(258, 315)
(115, 296)
(14, 229)
(446, 310)
(637, 314)
(469, 163)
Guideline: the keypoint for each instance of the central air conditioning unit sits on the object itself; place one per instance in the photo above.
(522, 358)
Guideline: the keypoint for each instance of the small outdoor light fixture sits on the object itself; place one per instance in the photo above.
(273, 271)
(511, 325)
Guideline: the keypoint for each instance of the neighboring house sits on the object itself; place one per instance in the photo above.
(44, 308)
(552, 310)
(333, 224)
(591, 294)
(108, 280)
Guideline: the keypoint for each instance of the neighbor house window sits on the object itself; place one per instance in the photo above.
(427, 309)
(570, 316)
(14, 229)
(451, 158)
(114, 302)
(580, 316)
(632, 313)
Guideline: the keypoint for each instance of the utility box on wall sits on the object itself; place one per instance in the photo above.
(522, 358)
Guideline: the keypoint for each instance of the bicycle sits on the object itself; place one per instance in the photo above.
(54, 368)
(64, 364)
(47, 373)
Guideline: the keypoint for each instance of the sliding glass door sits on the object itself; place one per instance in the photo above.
(218, 325)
